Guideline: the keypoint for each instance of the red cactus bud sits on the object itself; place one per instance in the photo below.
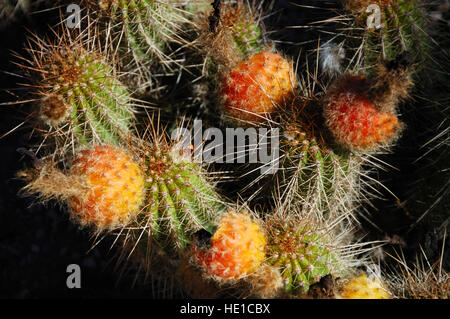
(354, 120)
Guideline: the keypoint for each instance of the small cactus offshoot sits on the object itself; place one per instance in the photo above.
(230, 32)
(244, 28)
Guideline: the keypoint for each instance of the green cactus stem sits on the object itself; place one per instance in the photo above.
(180, 199)
(300, 252)
(81, 99)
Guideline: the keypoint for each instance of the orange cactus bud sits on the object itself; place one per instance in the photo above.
(354, 120)
(237, 248)
(115, 187)
(363, 288)
(257, 86)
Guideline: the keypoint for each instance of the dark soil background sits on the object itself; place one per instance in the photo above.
(38, 242)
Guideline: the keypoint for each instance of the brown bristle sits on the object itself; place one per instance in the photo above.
(218, 41)
(53, 109)
(391, 84)
(51, 183)
(266, 282)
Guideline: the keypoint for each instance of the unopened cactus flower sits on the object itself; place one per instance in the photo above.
(237, 248)
(257, 87)
(362, 287)
(354, 119)
(114, 187)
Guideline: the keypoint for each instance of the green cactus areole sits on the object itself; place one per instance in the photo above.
(82, 97)
(300, 253)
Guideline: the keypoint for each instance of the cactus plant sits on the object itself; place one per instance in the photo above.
(226, 35)
(180, 199)
(244, 28)
(144, 31)
(80, 96)
(231, 32)
(403, 28)
(301, 251)
(322, 178)
(298, 235)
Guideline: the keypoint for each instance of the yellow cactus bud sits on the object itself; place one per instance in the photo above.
(115, 187)
(237, 248)
(364, 288)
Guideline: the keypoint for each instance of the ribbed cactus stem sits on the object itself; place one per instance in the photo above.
(301, 252)
(321, 177)
(81, 99)
(180, 198)
(149, 26)
(403, 27)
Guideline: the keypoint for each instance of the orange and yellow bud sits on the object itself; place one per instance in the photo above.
(363, 288)
(114, 187)
(237, 248)
(257, 86)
